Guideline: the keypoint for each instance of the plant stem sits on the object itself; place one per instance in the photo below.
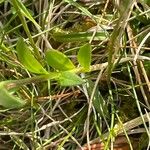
(17, 83)
(54, 75)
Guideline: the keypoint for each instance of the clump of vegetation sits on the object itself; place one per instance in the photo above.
(74, 74)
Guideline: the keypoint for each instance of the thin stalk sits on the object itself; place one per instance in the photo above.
(17, 83)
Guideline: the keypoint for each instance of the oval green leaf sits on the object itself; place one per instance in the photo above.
(58, 60)
(9, 101)
(69, 79)
(27, 59)
(84, 56)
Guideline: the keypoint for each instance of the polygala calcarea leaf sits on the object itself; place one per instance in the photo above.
(9, 101)
(84, 56)
(69, 79)
(58, 60)
(27, 59)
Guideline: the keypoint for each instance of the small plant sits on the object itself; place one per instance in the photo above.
(74, 74)
(64, 71)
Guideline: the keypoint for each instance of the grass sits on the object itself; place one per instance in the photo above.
(96, 89)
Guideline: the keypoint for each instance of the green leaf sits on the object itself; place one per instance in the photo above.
(84, 56)
(9, 101)
(69, 79)
(58, 60)
(27, 59)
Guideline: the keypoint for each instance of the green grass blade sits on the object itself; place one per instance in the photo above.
(26, 13)
(84, 10)
(98, 101)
